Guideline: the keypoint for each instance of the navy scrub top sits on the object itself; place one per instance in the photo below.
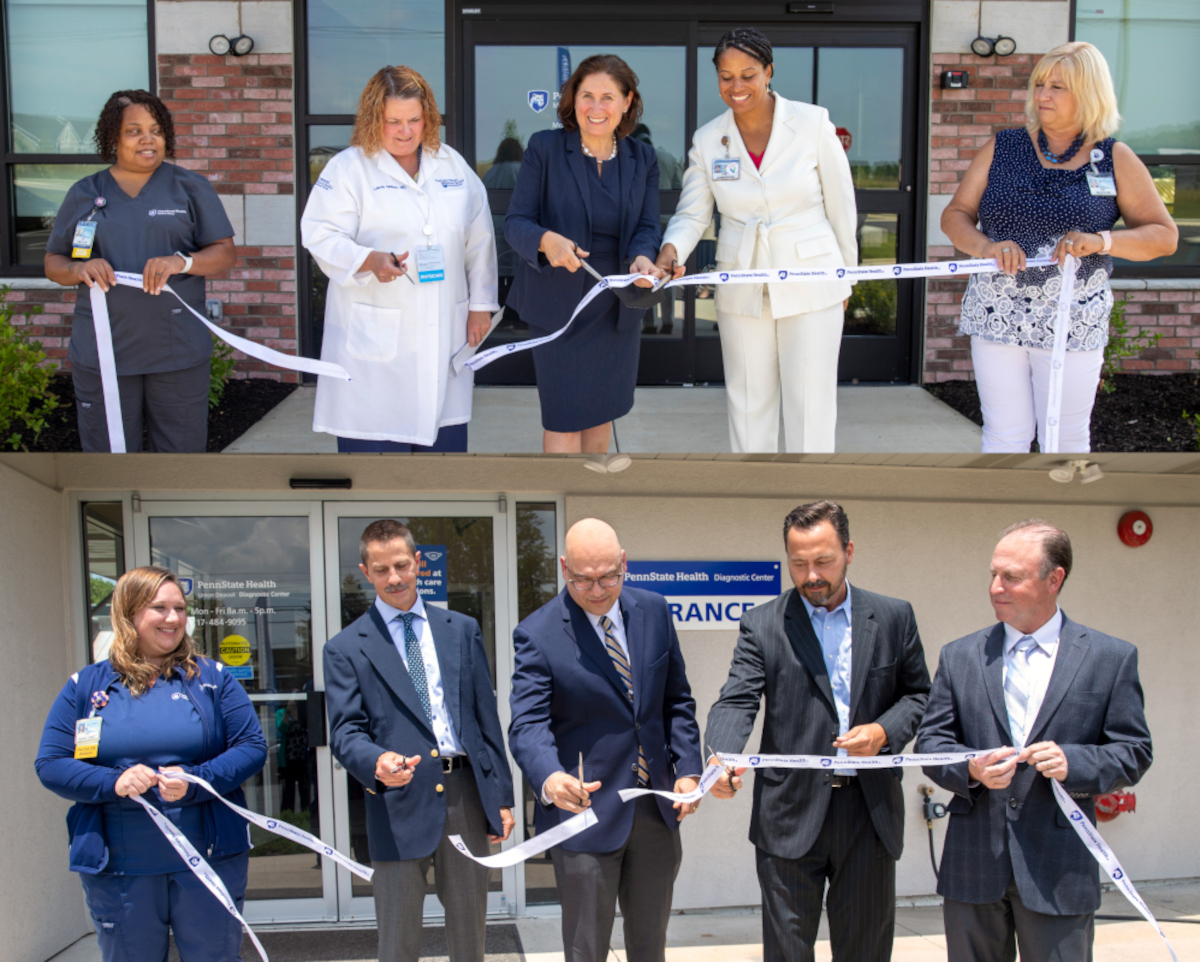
(177, 210)
(160, 727)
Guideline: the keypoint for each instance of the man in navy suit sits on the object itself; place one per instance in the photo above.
(598, 670)
(1062, 701)
(403, 683)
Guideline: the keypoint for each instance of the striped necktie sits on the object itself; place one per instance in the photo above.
(1016, 690)
(621, 663)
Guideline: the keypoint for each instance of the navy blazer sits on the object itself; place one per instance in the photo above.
(552, 194)
(567, 698)
(1093, 709)
(373, 708)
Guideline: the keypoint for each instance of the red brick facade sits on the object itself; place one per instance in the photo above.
(961, 123)
(234, 122)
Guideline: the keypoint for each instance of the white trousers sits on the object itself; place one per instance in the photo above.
(794, 358)
(1013, 384)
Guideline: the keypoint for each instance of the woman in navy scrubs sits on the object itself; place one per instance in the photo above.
(167, 224)
(585, 190)
(155, 708)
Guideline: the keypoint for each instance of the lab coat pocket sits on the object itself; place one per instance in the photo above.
(815, 247)
(373, 333)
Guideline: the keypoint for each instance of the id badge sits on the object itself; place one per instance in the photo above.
(85, 237)
(727, 169)
(431, 266)
(1102, 185)
(87, 737)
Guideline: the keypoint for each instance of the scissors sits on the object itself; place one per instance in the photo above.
(403, 758)
(656, 282)
(729, 770)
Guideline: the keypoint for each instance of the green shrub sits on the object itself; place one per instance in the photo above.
(220, 368)
(25, 396)
(1121, 345)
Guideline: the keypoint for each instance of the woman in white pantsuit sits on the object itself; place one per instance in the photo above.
(779, 177)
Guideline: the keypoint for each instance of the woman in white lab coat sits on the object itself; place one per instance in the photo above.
(779, 177)
(400, 225)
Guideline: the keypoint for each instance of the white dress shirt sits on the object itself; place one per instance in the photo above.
(443, 724)
(618, 627)
(1041, 662)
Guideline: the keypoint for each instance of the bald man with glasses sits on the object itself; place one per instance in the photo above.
(598, 673)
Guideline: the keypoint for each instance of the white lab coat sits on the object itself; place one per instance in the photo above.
(797, 211)
(396, 339)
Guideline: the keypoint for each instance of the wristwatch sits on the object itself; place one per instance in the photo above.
(187, 262)
(1106, 236)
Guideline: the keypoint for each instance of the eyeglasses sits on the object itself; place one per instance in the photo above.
(585, 584)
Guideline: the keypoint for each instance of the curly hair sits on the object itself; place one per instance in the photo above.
(108, 127)
(749, 41)
(621, 73)
(406, 84)
(135, 592)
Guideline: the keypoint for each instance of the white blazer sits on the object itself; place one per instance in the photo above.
(396, 339)
(796, 211)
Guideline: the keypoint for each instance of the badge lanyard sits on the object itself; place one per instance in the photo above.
(85, 232)
(1100, 185)
(727, 168)
(431, 265)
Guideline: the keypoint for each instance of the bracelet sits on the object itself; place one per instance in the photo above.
(1106, 236)
(187, 262)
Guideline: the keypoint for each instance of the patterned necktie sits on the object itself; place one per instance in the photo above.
(1016, 690)
(416, 663)
(622, 665)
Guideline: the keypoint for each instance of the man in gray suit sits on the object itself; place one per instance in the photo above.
(843, 673)
(1068, 701)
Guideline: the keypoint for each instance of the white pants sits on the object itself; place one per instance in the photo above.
(794, 357)
(1013, 384)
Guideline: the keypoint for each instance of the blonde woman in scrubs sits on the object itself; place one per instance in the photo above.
(400, 225)
(778, 174)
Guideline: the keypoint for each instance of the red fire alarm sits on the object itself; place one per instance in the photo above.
(1135, 528)
(1113, 804)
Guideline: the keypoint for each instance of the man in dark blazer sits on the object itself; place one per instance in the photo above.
(598, 671)
(412, 716)
(843, 673)
(1067, 700)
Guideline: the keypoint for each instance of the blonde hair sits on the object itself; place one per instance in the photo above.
(393, 82)
(135, 592)
(1085, 72)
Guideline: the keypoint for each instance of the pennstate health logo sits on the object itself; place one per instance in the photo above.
(1117, 875)
(953, 267)
(1077, 816)
(271, 824)
(194, 861)
(432, 555)
(328, 850)
(898, 760)
(188, 585)
(897, 270)
(826, 762)
(783, 275)
(539, 100)
(841, 272)
(724, 277)
(754, 760)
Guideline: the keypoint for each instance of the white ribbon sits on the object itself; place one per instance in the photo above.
(200, 868)
(534, 846)
(108, 363)
(1058, 356)
(778, 276)
(707, 780)
(1104, 855)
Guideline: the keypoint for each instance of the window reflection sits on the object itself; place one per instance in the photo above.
(872, 307)
(103, 564)
(1179, 188)
(39, 190)
(349, 40)
(64, 60)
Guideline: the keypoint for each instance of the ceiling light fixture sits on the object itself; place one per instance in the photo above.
(1064, 473)
(608, 463)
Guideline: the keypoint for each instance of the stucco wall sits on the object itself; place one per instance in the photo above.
(43, 904)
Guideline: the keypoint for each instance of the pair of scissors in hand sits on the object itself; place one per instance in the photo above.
(729, 770)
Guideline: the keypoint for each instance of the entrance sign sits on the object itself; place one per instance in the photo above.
(707, 595)
(431, 577)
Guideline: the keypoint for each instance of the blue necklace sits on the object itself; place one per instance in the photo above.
(1065, 155)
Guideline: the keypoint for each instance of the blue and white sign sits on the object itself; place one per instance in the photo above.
(539, 100)
(564, 66)
(707, 595)
(241, 672)
(431, 577)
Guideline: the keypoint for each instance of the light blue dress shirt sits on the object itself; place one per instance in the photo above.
(443, 724)
(832, 629)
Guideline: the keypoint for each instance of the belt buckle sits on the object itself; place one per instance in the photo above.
(447, 765)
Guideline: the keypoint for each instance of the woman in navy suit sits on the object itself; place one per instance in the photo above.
(586, 190)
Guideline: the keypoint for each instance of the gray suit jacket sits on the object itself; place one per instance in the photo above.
(778, 655)
(1093, 709)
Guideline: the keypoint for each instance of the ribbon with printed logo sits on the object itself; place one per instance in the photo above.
(108, 361)
(534, 846)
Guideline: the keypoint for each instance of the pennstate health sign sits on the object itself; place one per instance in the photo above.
(707, 595)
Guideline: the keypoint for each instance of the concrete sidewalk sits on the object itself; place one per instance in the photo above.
(889, 418)
(736, 936)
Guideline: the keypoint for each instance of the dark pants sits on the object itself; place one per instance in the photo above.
(132, 914)
(461, 884)
(640, 875)
(174, 406)
(451, 439)
(992, 932)
(862, 889)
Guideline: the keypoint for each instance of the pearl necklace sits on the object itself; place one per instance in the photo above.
(593, 156)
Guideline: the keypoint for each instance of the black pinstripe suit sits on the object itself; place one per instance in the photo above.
(1018, 836)
(804, 829)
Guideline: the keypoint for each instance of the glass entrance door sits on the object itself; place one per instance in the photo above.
(865, 77)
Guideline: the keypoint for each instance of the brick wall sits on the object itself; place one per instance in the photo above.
(234, 124)
(961, 122)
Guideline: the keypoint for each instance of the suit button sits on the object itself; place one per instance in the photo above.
(634, 768)
(440, 788)
(637, 727)
(828, 778)
(1012, 803)
(433, 753)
